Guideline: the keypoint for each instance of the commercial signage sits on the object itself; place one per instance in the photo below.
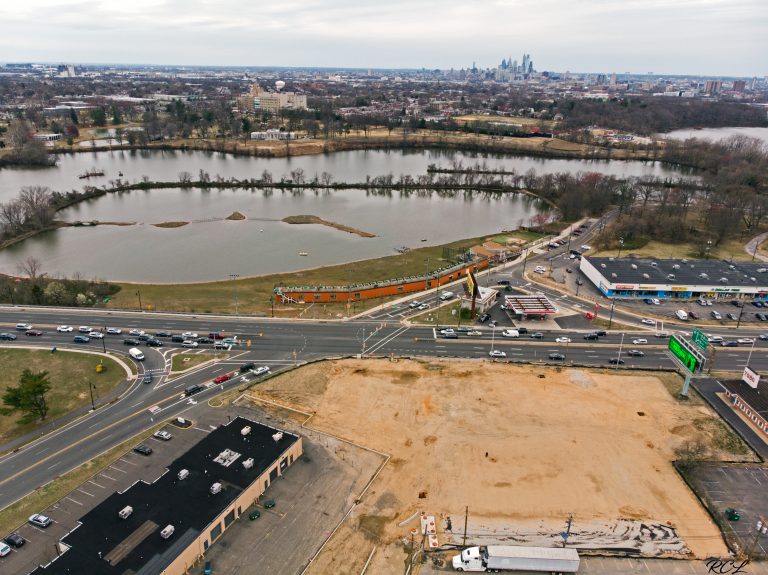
(472, 285)
(679, 288)
(750, 377)
(700, 339)
(685, 355)
(625, 286)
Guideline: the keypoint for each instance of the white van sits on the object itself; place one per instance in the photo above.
(681, 314)
(136, 354)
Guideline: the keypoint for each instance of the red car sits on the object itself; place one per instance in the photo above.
(33, 332)
(222, 378)
(220, 335)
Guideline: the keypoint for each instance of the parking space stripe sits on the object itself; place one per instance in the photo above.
(96, 484)
(117, 469)
(73, 500)
(81, 490)
(128, 462)
(108, 477)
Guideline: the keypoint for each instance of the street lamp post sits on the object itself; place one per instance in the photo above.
(621, 245)
(610, 318)
(233, 277)
(91, 387)
(493, 337)
(138, 294)
(621, 344)
(709, 247)
(103, 341)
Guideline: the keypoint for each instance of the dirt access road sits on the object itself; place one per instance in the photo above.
(521, 446)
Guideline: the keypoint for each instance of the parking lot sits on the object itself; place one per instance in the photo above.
(39, 547)
(741, 487)
(729, 313)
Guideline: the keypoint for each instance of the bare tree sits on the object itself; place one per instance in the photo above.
(297, 176)
(326, 178)
(30, 266)
(12, 217)
(185, 179)
(37, 204)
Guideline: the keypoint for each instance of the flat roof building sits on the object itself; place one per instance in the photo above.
(164, 527)
(751, 401)
(676, 279)
(524, 306)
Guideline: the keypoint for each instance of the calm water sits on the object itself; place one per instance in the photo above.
(717, 133)
(211, 248)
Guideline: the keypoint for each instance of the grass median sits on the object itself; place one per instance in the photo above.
(70, 374)
(186, 361)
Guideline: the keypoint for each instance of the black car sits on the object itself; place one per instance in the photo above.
(247, 367)
(557, 356)
(130, 341)
(761, 316)
(144, 337)
(147, 378)
(592, 336)
(522, 330)
(692, 315)
(616, 361)
(504, 282)
(729, 343)
(7, 337)
(154, 343)
(451, 335)
(484, 318)
(15, 540)
(635, 353)
(177, 339)
(737, 303)
(163, 334)
(204, 340)
(601, 333)
(142, 449)
(33, 332)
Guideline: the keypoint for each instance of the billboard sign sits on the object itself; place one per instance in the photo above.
(686, 356)
(700, 339)
(472, 285)
(750, 377)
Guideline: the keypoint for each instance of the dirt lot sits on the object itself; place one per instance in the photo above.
(522, 451)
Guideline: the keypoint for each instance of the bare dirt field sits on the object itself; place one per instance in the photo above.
(521, 447)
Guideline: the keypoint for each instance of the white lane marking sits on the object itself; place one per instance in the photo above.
(54, 465)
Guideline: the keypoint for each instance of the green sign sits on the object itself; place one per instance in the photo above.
(683, 354)
(700, 339)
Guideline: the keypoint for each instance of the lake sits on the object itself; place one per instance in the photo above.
(211, 247)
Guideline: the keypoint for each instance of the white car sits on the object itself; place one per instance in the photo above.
(474, 332)
(648, 321)
(563, 340)
(5, 549)
(715, 339)
(96, 335)
(414, 304)
(65, 328)
(423, 307)
(162, 434)
(640, 340)
(135, 332)
(114, 330)
(84, 329)
(40, 520)
(586, 248)
(746, 340)
(510, 333)
(497, 353)
(655, 301)
(189, 335)
(260, 370)
(189, 343)
(539, 270)
(447, 330)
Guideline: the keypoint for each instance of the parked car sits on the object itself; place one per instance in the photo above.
(5, 549)
(484, 318)
(163, 334)
(414, 304)
(556, 356)
(33, 332)
(189, 335)
(635, 353)
(757, 303)
(254, 515)
(7, 337)
(222, 378)
(761, 316)
(64, 328)
(40, 520)
(162, 434)
(540, 270)
(497, 353)
(144, 337)
(715, 314)
(81, 339)
(731, 316)
(692, 315)
(204, 340)
(15, 540)
(142, 449)
(737, 303)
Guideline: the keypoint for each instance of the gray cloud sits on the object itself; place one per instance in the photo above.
(714, 37)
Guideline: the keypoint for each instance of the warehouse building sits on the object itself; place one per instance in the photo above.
(677, 279)
(165, 527)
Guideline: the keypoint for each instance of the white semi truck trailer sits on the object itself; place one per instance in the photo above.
(495, 558)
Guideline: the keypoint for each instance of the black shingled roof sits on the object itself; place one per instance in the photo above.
(188, 505)
(686, 273)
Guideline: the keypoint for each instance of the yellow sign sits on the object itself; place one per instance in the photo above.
(471, 284)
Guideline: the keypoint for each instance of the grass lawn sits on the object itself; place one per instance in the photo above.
(69, 373)
(254, 293)
(17, 513)
(185, 361)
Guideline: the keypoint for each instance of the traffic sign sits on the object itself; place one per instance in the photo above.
(687, 355)
(700, 339)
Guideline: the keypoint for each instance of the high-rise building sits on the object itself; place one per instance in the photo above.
(739, 85)
(712, 87)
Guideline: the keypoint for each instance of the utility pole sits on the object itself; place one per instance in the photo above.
(738, 323)
(610, 319)
(233, 277)
(90, 388)
(466, 516)
(138, 293)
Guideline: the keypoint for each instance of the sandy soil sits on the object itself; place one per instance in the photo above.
(522, 447)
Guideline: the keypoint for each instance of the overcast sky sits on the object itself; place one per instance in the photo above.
(712, 37)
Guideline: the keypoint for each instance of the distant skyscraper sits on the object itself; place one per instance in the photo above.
(739, 85)
(613, 79)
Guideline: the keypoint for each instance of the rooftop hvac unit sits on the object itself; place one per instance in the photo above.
(654, 264)
(215, 488)
(723, 280)
(732, 267)
(646, 276)
(613, 274)
(754, 279)
(277, 436)
(167, 531)
(676, 267)
(670, 276)
(634, 266)
(762, 270)
(685, 261)
(245, 430)
(125, 512)
(602, 266)
(248, 463)
(183, 474)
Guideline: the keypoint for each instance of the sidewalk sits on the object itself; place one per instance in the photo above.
(618, 566)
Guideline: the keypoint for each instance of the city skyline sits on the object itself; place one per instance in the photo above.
(688, 37)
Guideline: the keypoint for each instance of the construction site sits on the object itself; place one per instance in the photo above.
(485, 454)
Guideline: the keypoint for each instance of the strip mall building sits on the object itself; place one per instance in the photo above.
(677, 279)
